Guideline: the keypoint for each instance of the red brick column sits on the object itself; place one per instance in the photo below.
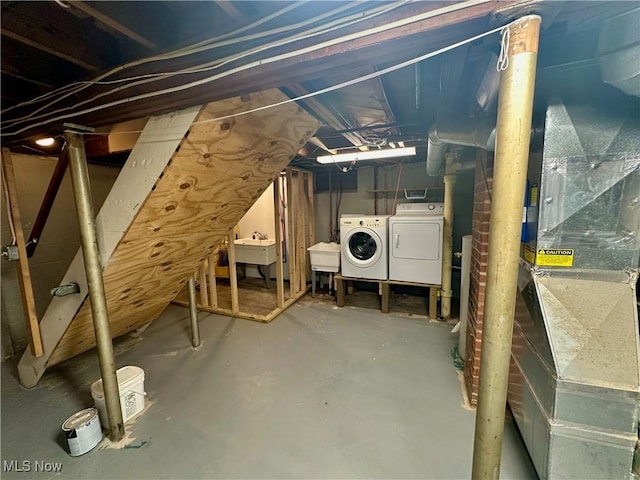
(477, 284)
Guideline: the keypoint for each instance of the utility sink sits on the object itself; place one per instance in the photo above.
(254, 251)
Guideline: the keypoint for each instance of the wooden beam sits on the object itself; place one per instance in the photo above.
(51, 51)
(383, 38)
(291, 243)
(277, 204)
(15, 74)
(213, 290)
(233, 277)
(24, 273)
(301, 229)
(202, 281)
(114, 24)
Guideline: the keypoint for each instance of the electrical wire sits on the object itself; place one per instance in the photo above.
(395, 198)
(200, 47)
(263, 62)
(264, 107)
(168, 56)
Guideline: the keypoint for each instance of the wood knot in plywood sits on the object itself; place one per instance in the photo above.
(171, 206)
(246, 176)
(225, 126)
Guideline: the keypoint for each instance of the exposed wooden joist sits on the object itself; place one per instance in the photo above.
(388, 40)
(114, 24)
(33, 81)
(52, 51)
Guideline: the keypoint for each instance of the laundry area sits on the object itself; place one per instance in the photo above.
(320, 240)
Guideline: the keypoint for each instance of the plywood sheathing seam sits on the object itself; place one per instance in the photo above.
(221, 168)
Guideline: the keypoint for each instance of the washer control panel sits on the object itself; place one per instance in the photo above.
(372, 222)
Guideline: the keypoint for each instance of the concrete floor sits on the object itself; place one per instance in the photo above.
(321, 392)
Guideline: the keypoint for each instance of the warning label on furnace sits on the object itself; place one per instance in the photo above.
(554, 257)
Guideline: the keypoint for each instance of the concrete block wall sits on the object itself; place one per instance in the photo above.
(477, 284)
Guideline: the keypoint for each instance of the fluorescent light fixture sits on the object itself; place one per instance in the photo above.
(45, 142)
(368, 155)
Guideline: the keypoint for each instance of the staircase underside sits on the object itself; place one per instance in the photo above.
(218, 171)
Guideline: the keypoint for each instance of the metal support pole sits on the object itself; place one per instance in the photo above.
(515, 106)
(447, 239)
(193, 313)
(86, 221)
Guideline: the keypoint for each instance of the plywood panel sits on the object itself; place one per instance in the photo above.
(158, 142)
(220, 170)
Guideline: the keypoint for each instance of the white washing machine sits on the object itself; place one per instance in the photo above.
(363, 246)
(415, 237)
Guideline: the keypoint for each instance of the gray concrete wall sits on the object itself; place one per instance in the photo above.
(59, 242)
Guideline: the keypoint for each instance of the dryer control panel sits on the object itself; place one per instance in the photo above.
(423, 209)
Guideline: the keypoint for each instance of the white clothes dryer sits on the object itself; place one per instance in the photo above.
(415, 237)
(363, 246)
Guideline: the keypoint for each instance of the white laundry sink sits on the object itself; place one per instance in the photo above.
(254, 251)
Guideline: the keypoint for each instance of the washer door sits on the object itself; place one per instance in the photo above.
(364, 247)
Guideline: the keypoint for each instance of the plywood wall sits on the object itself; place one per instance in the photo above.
(219, 171)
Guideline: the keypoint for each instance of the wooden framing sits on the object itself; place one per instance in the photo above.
(24, 273)
(209, 178)
(300, 215)
(385, 292)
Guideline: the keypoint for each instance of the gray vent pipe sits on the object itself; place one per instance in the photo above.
(467, 132)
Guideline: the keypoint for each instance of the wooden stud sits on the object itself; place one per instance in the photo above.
(301, 231)
(311, 207)
(213, 291)
(202, 280)
(433, 302)
(24, 273)
(291, 259)
(386, 294)
(278, 229)
(233, 277)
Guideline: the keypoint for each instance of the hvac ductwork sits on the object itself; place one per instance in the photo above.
(575, 368)
(467, 132)
(619, 52)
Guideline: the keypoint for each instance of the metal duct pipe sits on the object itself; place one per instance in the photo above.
(619, 52)
(515, 111)
(447, 238)
(93, 268)
(467, 132)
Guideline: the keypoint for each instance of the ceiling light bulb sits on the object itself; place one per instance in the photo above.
(45, 142)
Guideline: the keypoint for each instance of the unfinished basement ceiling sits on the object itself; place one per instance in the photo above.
(58, 44)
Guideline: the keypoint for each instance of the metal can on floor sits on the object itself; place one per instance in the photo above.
(82, 431)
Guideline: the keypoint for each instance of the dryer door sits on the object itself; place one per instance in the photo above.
(419, 240)
(364, 247)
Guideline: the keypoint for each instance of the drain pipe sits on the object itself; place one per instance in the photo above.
(93, 268)
(193, 313)
(515, 106)
(447, 237)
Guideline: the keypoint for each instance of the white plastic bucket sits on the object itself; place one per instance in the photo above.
(82, 431)
(131, 385)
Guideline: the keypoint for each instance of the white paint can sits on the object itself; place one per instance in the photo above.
(82, 431)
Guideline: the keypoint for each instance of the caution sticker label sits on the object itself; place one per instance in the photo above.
(529, 254)
(554, 257)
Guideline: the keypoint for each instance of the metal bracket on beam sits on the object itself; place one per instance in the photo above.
(64, 290)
